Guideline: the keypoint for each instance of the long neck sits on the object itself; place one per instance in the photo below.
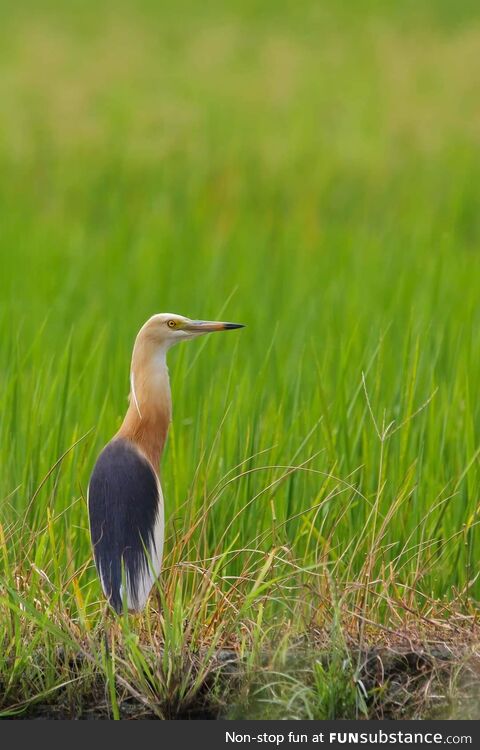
(149, 412)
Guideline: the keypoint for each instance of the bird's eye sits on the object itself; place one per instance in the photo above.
(172, 324)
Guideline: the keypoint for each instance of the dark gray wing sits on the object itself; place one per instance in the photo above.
(126, 523)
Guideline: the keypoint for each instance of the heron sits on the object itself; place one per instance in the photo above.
(125, 500)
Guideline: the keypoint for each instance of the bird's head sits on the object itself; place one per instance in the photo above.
(166, 329)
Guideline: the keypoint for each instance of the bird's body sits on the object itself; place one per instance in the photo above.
(125, 500)
(126, 523)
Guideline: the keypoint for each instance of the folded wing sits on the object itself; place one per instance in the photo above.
(125, 507)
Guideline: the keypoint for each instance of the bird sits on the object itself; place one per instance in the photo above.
(124, 498)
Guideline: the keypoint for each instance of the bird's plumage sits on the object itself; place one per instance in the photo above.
(126, 523)
(125, 500)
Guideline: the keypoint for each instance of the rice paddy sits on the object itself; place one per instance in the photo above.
(311, 170)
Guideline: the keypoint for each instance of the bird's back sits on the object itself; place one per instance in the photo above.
(125, 507)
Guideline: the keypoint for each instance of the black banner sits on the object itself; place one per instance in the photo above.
(248, 734)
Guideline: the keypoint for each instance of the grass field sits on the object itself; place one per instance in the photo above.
(309, 169)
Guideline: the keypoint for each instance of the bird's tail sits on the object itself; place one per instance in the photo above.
(111, 580)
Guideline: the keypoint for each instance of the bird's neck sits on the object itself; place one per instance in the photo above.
(149, 412)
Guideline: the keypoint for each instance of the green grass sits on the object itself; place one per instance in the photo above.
(311, 170)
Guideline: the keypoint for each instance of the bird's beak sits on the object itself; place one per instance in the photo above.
(207, 326)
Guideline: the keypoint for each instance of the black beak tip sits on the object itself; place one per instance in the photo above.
(231, 326)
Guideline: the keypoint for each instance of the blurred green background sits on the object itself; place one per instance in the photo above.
(309, 168)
